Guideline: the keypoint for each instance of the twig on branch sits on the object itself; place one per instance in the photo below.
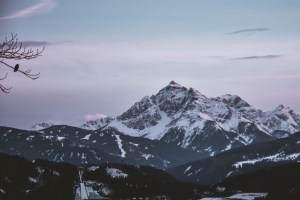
(4, 89)
(12, 49)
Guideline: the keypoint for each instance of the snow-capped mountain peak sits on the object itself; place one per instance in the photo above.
(173, 83)
(98, 123)
(42, 125)
(189, 119)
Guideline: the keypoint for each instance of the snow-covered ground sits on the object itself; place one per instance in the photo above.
(274, 158)
(87, 137)
(93, 168)
(2, 191)
(33, 180)
(83, 191)
(241, 196)
(116, 173)
(247, 196)
(60, 138)
(146, 156)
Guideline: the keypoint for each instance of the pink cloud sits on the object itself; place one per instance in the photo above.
(94, 117)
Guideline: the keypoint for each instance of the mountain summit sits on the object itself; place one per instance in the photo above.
(189, 119)
(42, 125)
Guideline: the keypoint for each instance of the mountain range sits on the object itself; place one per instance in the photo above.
(189, 119)
(192, 137)
(63, 143)
(173, 127)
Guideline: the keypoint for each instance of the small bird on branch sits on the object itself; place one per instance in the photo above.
(16, 68)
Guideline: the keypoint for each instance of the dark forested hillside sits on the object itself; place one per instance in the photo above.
(240, 160)
(143, 181)
(63, 143)
(281, 182)
(41, 179)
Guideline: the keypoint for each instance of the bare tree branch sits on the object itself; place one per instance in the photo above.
(12, 49)
(26, 73)
(4, 89)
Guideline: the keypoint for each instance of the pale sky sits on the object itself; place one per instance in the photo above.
(103, 56)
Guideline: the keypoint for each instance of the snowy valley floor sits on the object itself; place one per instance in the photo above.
(241, 196)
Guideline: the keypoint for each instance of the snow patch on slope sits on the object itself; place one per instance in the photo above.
(93, 168)
(87, 137)
(116, 173)
(119, 141)
(155, 132)
(274, 158)
(187, 169)
(146, 156)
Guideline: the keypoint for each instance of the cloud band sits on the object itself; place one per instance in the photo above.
(249, 31)
(258, 57)
(46, 4)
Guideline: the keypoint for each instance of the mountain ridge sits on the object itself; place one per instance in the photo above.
(240, 160)
(182, 116)
(189, 119)
(78, 146)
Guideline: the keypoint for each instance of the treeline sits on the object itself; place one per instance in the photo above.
(14, 176)
(144, 181)
(281, 182)
(41, 179)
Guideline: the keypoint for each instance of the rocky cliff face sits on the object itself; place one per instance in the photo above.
(189, 119)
